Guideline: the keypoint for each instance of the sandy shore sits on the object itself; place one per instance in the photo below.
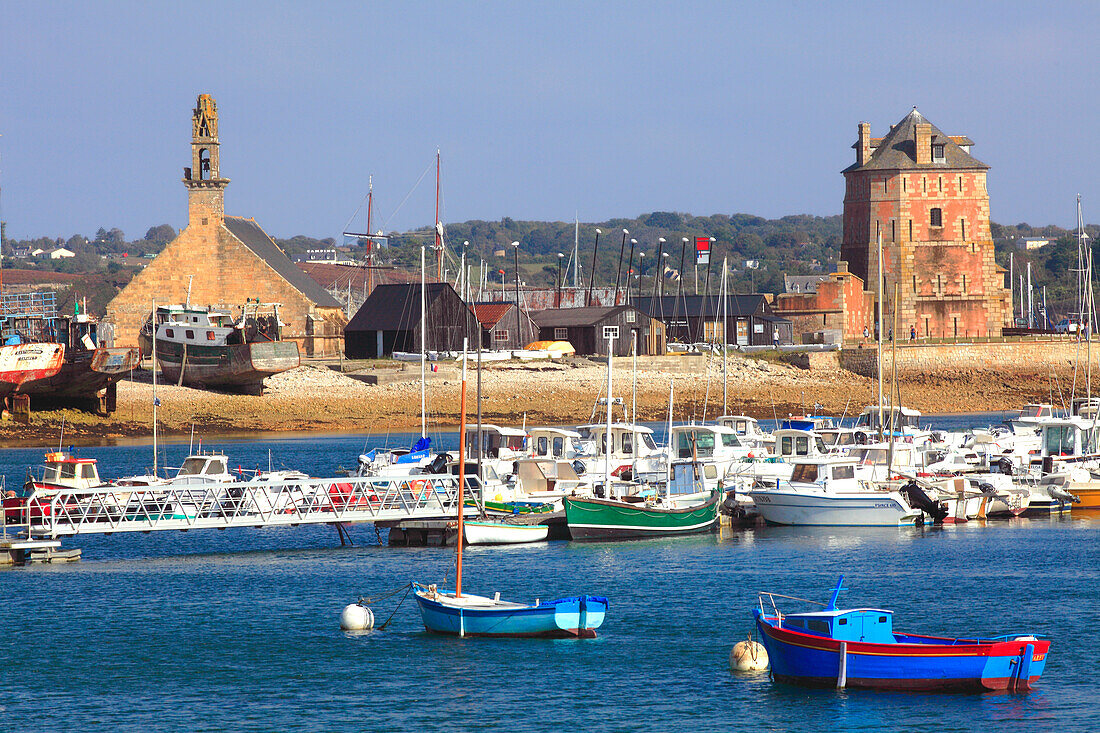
(318, 398)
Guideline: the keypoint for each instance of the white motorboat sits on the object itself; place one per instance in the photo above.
(825, 492)
(489, 532)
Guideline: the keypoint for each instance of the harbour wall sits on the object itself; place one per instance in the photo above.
(1014, 357)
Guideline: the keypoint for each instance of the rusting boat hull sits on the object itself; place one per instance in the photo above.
(240, 366)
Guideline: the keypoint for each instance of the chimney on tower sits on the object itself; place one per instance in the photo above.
(923, 132)
(863, 148)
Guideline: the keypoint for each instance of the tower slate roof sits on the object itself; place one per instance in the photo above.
(898, 149)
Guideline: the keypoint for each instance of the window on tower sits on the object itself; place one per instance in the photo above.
(937, 153)
(935, 217)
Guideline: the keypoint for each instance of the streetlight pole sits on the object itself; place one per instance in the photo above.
(619, 271)
(680, 289)
(641, 268)
(630, 267)
(519, 338)
(560, 258)
(660, 275)
(592, 275)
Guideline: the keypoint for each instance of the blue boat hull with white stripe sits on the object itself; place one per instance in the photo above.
(470, 615)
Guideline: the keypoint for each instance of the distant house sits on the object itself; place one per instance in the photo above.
(61, 253)
(317, 255)
(37, 252)
(21, 253)
(695, 318)
(498, 326)
(588, 329)
(1032, 243)
(389, 321)
(802, 283)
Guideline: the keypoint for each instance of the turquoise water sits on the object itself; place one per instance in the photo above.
(238, 630)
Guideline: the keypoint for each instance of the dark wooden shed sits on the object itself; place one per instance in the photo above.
(695, 318)
(389, 321)
(588, 329)
(498, 326)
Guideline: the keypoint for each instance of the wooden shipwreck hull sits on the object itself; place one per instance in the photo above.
(240, 367)
(88, 374)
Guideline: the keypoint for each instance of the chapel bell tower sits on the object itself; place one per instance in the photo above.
(205, 186)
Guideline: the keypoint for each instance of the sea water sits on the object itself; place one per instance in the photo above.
(238, 630)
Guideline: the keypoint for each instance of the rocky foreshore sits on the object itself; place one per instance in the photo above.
(319, 398)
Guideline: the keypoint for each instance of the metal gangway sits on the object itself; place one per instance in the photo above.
(260, 502)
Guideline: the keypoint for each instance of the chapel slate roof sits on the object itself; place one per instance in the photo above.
(252, 236)
(898, 149)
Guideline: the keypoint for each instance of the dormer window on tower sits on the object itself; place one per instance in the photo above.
(937, 152)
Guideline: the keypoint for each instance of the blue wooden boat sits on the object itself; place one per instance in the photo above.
(470, 615)
(461, 614)
(859, 648)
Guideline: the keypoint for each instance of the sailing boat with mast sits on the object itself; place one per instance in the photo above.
(455, 614)
(632, 517)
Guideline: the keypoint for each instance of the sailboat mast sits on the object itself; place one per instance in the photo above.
(423, 349)
(461, 469)
(576, 250)
(607, 434)
(725, 338)
(878, 355)
(155, 400)
(438, 238)
(370, 234)
(634, 408)
(669, 448)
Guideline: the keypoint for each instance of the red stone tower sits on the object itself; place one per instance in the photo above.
(926, 195)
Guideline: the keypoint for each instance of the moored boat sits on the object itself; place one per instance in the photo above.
(445, 612)
(859, 648)
(488, 532)
(635, 517)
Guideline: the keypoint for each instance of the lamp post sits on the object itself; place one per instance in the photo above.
(592, 275)
(641, 269)
(630, 266)
(558, 299)
(619, 271)
(515, 247)
(680, 280)
(660, 275)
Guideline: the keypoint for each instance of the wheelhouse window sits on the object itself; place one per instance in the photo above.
(802, 445)
(169, 333)
(730, 441)
(804, 472)
(1058, 440)
(559, 447)
(935, 217)
(209, 335)
(541, 446)
(189, 334)
(843, 472)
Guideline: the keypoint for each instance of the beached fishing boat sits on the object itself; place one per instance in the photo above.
(203, 347)
(859, 648)
(21, 365)
(456, 614)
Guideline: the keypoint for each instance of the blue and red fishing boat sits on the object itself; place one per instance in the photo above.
(859, 648)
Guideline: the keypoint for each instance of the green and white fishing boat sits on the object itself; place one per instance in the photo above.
(637, 517)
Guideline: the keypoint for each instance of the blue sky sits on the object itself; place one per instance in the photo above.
(540, 109)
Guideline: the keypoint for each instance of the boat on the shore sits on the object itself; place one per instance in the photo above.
(859, 648)
(21, 365)
(205, 347)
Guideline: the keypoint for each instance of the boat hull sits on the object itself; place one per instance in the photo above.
(600, 519)
(836, 510)
(499, 533)
(577, 617)
(241, 366)
(85, 373)
(918, 663)
(23, 365)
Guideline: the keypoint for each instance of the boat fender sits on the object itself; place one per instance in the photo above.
(748, 656)
(356, 617)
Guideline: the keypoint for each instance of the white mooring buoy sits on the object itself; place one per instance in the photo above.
(356, 617)
(748, 656)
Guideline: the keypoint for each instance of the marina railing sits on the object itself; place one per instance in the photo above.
(263, 503)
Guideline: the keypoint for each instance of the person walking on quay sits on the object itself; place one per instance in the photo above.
(775, 337)
(912, 333)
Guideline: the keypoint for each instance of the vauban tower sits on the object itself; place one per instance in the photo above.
(926, 195)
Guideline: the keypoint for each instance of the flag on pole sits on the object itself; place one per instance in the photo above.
(702, 250)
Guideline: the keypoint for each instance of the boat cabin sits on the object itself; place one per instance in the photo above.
(507, 444)
(807, 422)
(554, 443)
(706, 442)
(869, 625)
(1085, 407)
(901, 418)
(628, 441)
(838, 474)
(1071, 436)
(795, 443)
(746, 428)
(203, 469)
(63, 470)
